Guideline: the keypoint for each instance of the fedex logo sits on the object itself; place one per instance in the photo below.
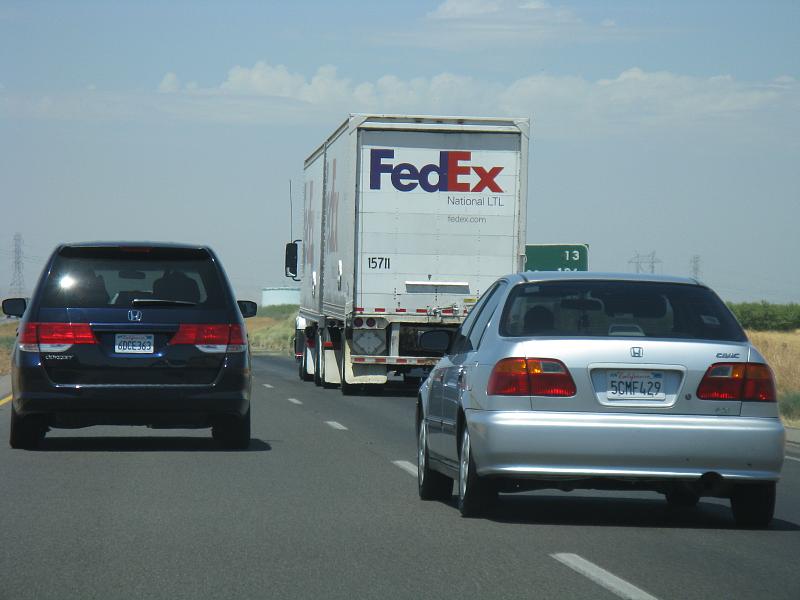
(448, 176)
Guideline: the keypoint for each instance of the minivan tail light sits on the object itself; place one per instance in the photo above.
(530, 377)
(54, 337)
(748, 382)
(213, 337)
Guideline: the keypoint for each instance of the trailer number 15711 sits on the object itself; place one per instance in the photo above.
(378, 262)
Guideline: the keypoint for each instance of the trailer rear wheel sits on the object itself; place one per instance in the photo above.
(303, 369)
(348, 389)
(318, 362)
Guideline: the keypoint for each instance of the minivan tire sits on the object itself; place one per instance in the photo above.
(753, 504)
(233, 433)
(26, 433)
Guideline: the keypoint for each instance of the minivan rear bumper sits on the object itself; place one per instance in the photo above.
(173, 405)
(542, 445)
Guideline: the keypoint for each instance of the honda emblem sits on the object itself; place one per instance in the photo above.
(637, 352)
(134, 315)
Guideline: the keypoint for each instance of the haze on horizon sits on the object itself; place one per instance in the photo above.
(657, 126)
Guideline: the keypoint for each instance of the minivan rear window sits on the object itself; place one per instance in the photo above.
(94, 277)
(618, 309)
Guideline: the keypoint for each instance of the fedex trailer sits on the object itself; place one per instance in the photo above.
(407, 220)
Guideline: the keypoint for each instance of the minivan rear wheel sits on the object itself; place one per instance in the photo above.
(233, 432)
(26, 432)
(753, 504)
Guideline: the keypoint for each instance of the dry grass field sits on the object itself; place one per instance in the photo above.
(782, 351)
(273, 329)
(7, 332)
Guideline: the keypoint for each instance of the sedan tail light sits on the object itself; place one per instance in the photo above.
(215, 337)
(748, 382)
(54, 337)
(530, 377)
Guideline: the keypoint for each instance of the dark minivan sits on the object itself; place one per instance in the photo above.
(131, 334)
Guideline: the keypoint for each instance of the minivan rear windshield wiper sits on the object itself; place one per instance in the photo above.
(160, 302)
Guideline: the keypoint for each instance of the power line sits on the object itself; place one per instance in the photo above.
(695, 263)
(645, 263)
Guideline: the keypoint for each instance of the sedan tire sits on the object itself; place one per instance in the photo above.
(432, 485)
(475, 494)
(753, 505)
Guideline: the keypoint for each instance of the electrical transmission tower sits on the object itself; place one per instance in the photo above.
(645, 263)
(695, 262)
(17, 287)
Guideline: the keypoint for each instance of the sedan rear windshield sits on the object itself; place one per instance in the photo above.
(84, 277)
(618, 309)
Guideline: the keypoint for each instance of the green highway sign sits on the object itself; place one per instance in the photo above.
(557, 257)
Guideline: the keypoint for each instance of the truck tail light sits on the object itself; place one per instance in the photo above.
(215, 337)
(748, 382)
(530, 377)
(54, 337)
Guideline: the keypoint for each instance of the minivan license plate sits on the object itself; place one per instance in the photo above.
(133, 343)
(635, 385)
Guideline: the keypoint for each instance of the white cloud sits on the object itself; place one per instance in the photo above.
(169, 84)
(459, 9)
(562, 106)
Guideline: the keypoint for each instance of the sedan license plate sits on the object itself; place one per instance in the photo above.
(635, 385)
(133, 343)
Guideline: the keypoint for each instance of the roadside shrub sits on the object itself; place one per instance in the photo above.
(790, 407)
(763, 316)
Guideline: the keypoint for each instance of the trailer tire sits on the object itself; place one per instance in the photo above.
(318, 358)
(348, 389)
(303, 369)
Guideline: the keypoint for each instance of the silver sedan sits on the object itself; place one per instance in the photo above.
(600, 381)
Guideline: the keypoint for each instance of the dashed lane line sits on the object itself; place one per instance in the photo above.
(336, 425)
(408, 467)
(268, 386)
(295, 401)
(4, 400)
(786, 457)
(600, 576)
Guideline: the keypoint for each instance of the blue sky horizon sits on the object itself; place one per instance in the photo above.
(666, 127)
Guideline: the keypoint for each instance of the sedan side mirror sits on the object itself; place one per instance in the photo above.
(14, 307)
(247, 308)
(437, 340)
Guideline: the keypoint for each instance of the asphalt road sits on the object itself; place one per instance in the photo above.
(319, 508)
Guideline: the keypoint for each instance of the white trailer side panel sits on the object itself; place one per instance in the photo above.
(311, 257)
(339, 223)
(439, 216)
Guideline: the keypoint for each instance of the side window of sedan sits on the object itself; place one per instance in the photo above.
(478, 329)
(462, 341)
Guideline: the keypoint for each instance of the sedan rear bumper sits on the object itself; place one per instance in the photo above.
(543, 445)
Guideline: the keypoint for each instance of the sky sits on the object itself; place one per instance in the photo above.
(657, 126)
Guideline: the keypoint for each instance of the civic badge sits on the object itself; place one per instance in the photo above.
(637, 352)
(134, 315)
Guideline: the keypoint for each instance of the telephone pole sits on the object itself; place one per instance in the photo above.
(17, 287)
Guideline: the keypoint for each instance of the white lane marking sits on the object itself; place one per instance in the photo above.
(336, 425)
(611, 582)
(408, 467)
(792, 458)
(294, 401)
(268, 386)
